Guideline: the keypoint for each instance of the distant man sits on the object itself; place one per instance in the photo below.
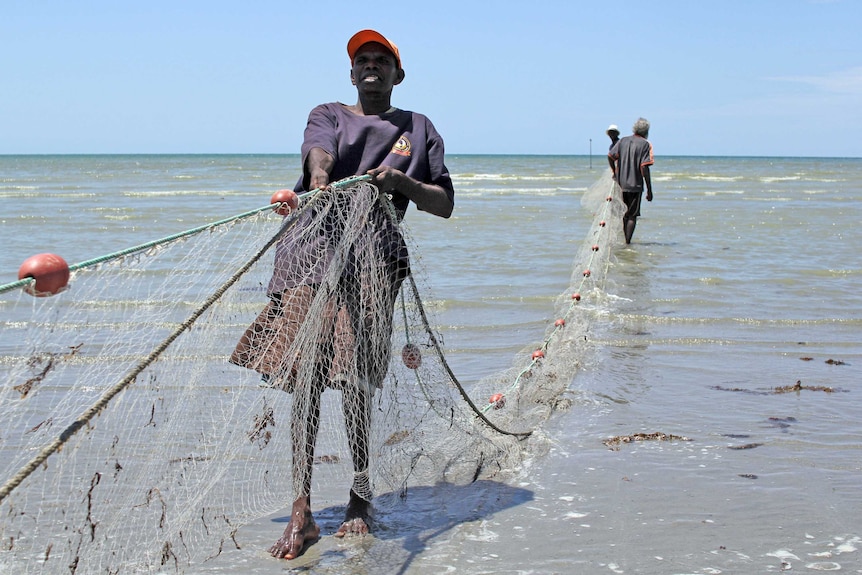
(614, 134)
(631, 158)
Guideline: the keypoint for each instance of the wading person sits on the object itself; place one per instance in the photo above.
(631, 158)
(613, 133)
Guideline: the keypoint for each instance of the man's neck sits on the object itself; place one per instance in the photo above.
(371, 106)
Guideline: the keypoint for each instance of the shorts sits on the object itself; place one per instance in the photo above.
(632, 200)
(349, 343)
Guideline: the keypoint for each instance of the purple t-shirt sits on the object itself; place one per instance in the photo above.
(406, 141)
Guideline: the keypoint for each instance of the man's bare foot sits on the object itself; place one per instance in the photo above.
(300, 532)
(357, 518)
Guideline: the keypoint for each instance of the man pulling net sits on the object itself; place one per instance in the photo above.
(341, 264)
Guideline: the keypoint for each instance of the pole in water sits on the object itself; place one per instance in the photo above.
(591, 153)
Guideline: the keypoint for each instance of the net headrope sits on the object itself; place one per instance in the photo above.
(131, 444)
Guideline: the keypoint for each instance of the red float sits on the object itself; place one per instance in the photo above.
(576, 296)
(602, 223)
(498, 400)
(287, 201)
(560, 322)
(50, 271)
(411, 355)
(587, 273)
(538, 354)
(595, 248)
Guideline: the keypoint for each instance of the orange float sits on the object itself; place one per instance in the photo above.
(286, 201)
(50, 271)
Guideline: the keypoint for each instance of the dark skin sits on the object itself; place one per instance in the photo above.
(614, 136)
(374, 72)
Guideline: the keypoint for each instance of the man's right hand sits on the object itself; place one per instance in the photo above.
(319, 179)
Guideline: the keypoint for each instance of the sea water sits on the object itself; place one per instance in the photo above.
(744, 279)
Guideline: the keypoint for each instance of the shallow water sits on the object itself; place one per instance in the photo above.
(743, 277)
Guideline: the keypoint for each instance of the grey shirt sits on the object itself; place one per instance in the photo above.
(632, 154)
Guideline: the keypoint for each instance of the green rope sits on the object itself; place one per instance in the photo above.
(135, 249)
(165, 240)
(20, 283)
(112, 256)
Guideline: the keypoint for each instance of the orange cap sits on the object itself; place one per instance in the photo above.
(364, 37)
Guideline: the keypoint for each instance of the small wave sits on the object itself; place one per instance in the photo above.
(675, 176)
(506, 177)
(510, 191)
(36, 193)
(766, 199)
(709, 178)
(830, 273)
(152, 193)
(824, 566)
(783, 554)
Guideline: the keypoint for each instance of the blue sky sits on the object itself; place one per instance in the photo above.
(731, 77)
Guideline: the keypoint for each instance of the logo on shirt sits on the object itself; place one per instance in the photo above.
(402, 147)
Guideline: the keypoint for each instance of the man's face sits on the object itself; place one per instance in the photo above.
(375, 69)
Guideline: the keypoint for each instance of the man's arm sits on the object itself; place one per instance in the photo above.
(429, 198)
(318, 166)
(613, 160)
(647, 183)
(613, 166)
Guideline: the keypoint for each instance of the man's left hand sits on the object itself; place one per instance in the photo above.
(386, 178)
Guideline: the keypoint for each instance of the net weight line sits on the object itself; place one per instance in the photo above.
(461, 391)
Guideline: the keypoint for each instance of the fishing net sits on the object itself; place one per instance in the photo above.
(524, 395)
(153, 408)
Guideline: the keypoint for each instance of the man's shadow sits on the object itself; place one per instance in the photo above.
(404, 525)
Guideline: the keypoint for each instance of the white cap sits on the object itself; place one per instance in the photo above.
(612, 128)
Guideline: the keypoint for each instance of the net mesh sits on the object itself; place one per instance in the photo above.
(165, 399)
